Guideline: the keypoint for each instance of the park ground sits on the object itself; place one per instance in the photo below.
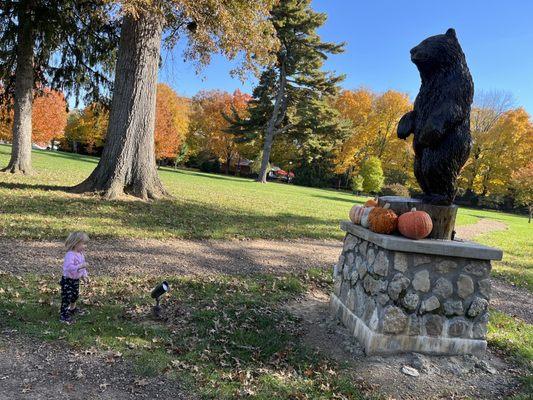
(250, 268)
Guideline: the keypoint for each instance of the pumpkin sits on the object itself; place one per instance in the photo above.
(415, 224)
(371, 202)
(382, 220)
(364, 216)
(355, 214)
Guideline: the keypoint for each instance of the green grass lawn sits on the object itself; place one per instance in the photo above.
(207, 206)
(269, 359)
(204, 206)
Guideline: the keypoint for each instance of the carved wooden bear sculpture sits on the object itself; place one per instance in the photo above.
(440, 120)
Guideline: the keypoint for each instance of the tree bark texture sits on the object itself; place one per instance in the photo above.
(20, 161)
(280, 106)
(128, 162)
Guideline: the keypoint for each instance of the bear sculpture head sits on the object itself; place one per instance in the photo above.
(438, 52)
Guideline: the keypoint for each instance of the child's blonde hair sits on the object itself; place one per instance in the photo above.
(74, 239)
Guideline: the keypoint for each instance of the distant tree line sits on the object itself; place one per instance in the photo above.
(297, 117)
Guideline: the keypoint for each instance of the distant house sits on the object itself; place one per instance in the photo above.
(241, 166)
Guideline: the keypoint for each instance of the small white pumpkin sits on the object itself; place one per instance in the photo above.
(355, 214)
(364, 217)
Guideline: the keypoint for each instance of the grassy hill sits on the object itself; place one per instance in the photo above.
(204, 206)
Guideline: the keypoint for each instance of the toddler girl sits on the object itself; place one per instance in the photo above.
(74, 269)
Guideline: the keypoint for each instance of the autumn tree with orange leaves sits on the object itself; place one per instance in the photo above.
(171, 122)
(49, 118)
(209, 127)
(89, 126)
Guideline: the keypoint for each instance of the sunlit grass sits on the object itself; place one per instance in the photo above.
(517, 244)
(204, 206)
(514, 337)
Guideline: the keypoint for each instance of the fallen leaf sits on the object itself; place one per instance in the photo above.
(141, 382)
(80, 374)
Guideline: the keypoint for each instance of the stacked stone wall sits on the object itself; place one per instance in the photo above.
(409, 294)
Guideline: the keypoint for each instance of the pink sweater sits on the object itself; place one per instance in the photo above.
(71, 264)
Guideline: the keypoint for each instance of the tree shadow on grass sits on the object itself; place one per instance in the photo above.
(121, 257)
(71, 156)
(29, 186)
(54, 216)
(335, 198)
(494, 217)
(120, 234)
(207, 175)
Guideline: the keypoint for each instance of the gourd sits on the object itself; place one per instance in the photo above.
(371, 202)
(355, 214)
(415, 224)
(364, 216)
(382, 220)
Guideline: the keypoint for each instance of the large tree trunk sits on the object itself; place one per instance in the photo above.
(20, 161)
(278, 113)
(128, 161)
(265, 158)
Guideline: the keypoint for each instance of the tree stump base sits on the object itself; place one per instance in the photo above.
(443, 217)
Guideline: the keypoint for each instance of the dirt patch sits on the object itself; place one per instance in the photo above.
(512, 300)
(198, 258)
(439, 377)
(175, 257)
(484, 225)
(36, 370)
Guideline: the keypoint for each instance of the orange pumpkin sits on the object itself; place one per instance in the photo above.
(382, 220)
(415, 224)
(371, 202)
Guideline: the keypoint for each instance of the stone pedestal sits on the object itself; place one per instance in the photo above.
(400, 295)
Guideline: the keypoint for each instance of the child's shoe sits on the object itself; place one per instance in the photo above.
(77, 311)
(66, 320)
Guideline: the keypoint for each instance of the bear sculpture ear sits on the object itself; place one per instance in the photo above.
(451, 32)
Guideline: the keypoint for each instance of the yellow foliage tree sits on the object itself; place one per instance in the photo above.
(523, 187)
(505, 147)
(355, 106)
(87, 127)
(209, 127)
(374, 120)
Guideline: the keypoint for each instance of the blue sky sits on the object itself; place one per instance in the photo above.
(496, 36)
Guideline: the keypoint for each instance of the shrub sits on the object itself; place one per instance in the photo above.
(357, 183)
(372, 173)
(395, 190)
(396, 176)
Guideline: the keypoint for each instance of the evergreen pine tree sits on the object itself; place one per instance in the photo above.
(61, 44)
(292, 96)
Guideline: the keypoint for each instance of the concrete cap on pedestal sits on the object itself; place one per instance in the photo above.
(449, 248)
